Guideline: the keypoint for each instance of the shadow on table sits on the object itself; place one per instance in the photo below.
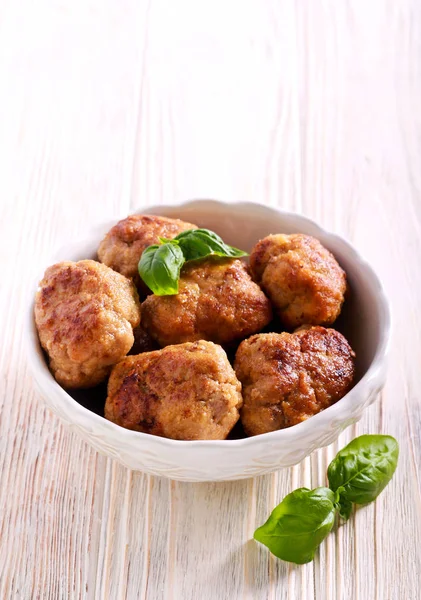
(262, 569)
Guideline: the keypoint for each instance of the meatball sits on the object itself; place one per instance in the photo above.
(85, 313)
(301, 277)
(184, 392)
(217, 301)
(123, 245)
(289, 377)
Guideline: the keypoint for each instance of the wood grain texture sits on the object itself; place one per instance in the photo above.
(107, 106)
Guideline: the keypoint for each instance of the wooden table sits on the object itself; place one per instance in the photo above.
(313, 106)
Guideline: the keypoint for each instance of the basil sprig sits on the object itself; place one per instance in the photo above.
(304, 518)
(160, 264)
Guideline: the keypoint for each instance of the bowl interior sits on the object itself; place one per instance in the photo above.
(242, 225)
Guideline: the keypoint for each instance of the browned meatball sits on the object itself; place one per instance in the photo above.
(217, 301)
(123, 245)
(85, 314)
(287, 377)
(303, 280)
(184, 392)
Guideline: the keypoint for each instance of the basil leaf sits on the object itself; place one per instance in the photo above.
(298, 525)
(160, 266)
(199, 243)
(363, 468)
(345, 508)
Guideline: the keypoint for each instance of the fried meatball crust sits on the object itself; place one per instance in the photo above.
(183, 392)
(124, 244)
(85, 313)
(217, 301)
(289, 377)
(301, 277)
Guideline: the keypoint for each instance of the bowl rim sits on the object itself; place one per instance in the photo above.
(80, 414)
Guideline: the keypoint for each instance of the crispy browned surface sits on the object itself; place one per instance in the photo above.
(184, 392)
(301, 277)
(287, 377)
(217, 301)
(123, 245)
(84, 313)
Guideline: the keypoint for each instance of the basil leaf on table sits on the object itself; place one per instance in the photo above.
(298, 525)
(362, 470)
(303, 519)
(160, 267)
(200, 243)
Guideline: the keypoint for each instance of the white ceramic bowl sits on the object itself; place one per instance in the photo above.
(365, 321)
